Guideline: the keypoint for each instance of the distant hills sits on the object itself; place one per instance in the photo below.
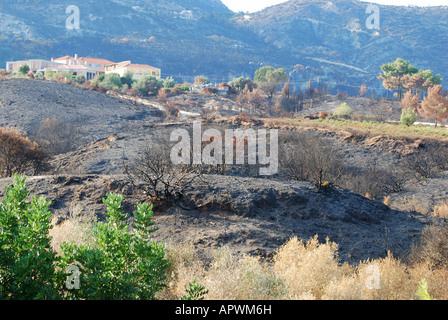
(326, 41)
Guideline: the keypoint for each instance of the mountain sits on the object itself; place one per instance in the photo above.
(334, 38)
(327, 41)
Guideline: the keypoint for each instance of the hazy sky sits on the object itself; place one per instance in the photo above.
(256, 5)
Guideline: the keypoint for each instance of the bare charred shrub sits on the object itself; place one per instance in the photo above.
(433, 246)
(427, 161)
(374, 181)
(18, 154)
(209, 114)
(306, 157)
(162, 95)
(171, 110)
(162, 179)
(57, 136)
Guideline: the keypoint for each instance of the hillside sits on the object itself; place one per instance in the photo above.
(327, 41)
(25, 103)
(251, 214)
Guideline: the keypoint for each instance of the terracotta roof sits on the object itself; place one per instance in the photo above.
(73, 67)
(95, 60)
(145, 66)
(64, 58)
(86, 59)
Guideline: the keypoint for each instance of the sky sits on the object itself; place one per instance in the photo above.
(256, 5)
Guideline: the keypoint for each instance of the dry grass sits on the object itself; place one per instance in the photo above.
(413, 205)
(310, 271)
(309, 267)
(299, 270)
(186, 267)
(77, 229)
(246, 278)
(365, 128)
(441, 210)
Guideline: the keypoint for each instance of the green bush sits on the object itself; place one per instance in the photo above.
(112, 81)
(343, 110)
(24, 69)
(127, 79)
(26, 257)
(147, 85)
(122, 263)
(195, 291)
(408, 117)
(169, 83)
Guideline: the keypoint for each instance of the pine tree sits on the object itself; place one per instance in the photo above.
(409, 101)
(435, 105)
(363, 90)
(286, 91)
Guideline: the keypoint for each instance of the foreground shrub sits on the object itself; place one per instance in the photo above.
(26, 256)
(232, 278)
(123, 263)
(307, 268)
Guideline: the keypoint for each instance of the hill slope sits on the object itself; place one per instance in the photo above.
(25, 103)
(326, 40)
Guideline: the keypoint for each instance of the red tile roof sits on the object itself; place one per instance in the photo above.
(86, 59)
(144, 66)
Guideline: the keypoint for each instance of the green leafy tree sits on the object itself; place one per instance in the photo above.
(395, 73)
(169, 83)
(200, 80)
(147, 85)
(112, 81)
(127, 79)
(26, 257)
(24, 69)
(123, 263)
(270, 79)
(243, 84)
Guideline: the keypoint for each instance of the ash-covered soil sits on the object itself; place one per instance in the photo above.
(254, 216)
(250, 214)
(24, 103)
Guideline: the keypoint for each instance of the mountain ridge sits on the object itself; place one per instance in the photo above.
(326, 41)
